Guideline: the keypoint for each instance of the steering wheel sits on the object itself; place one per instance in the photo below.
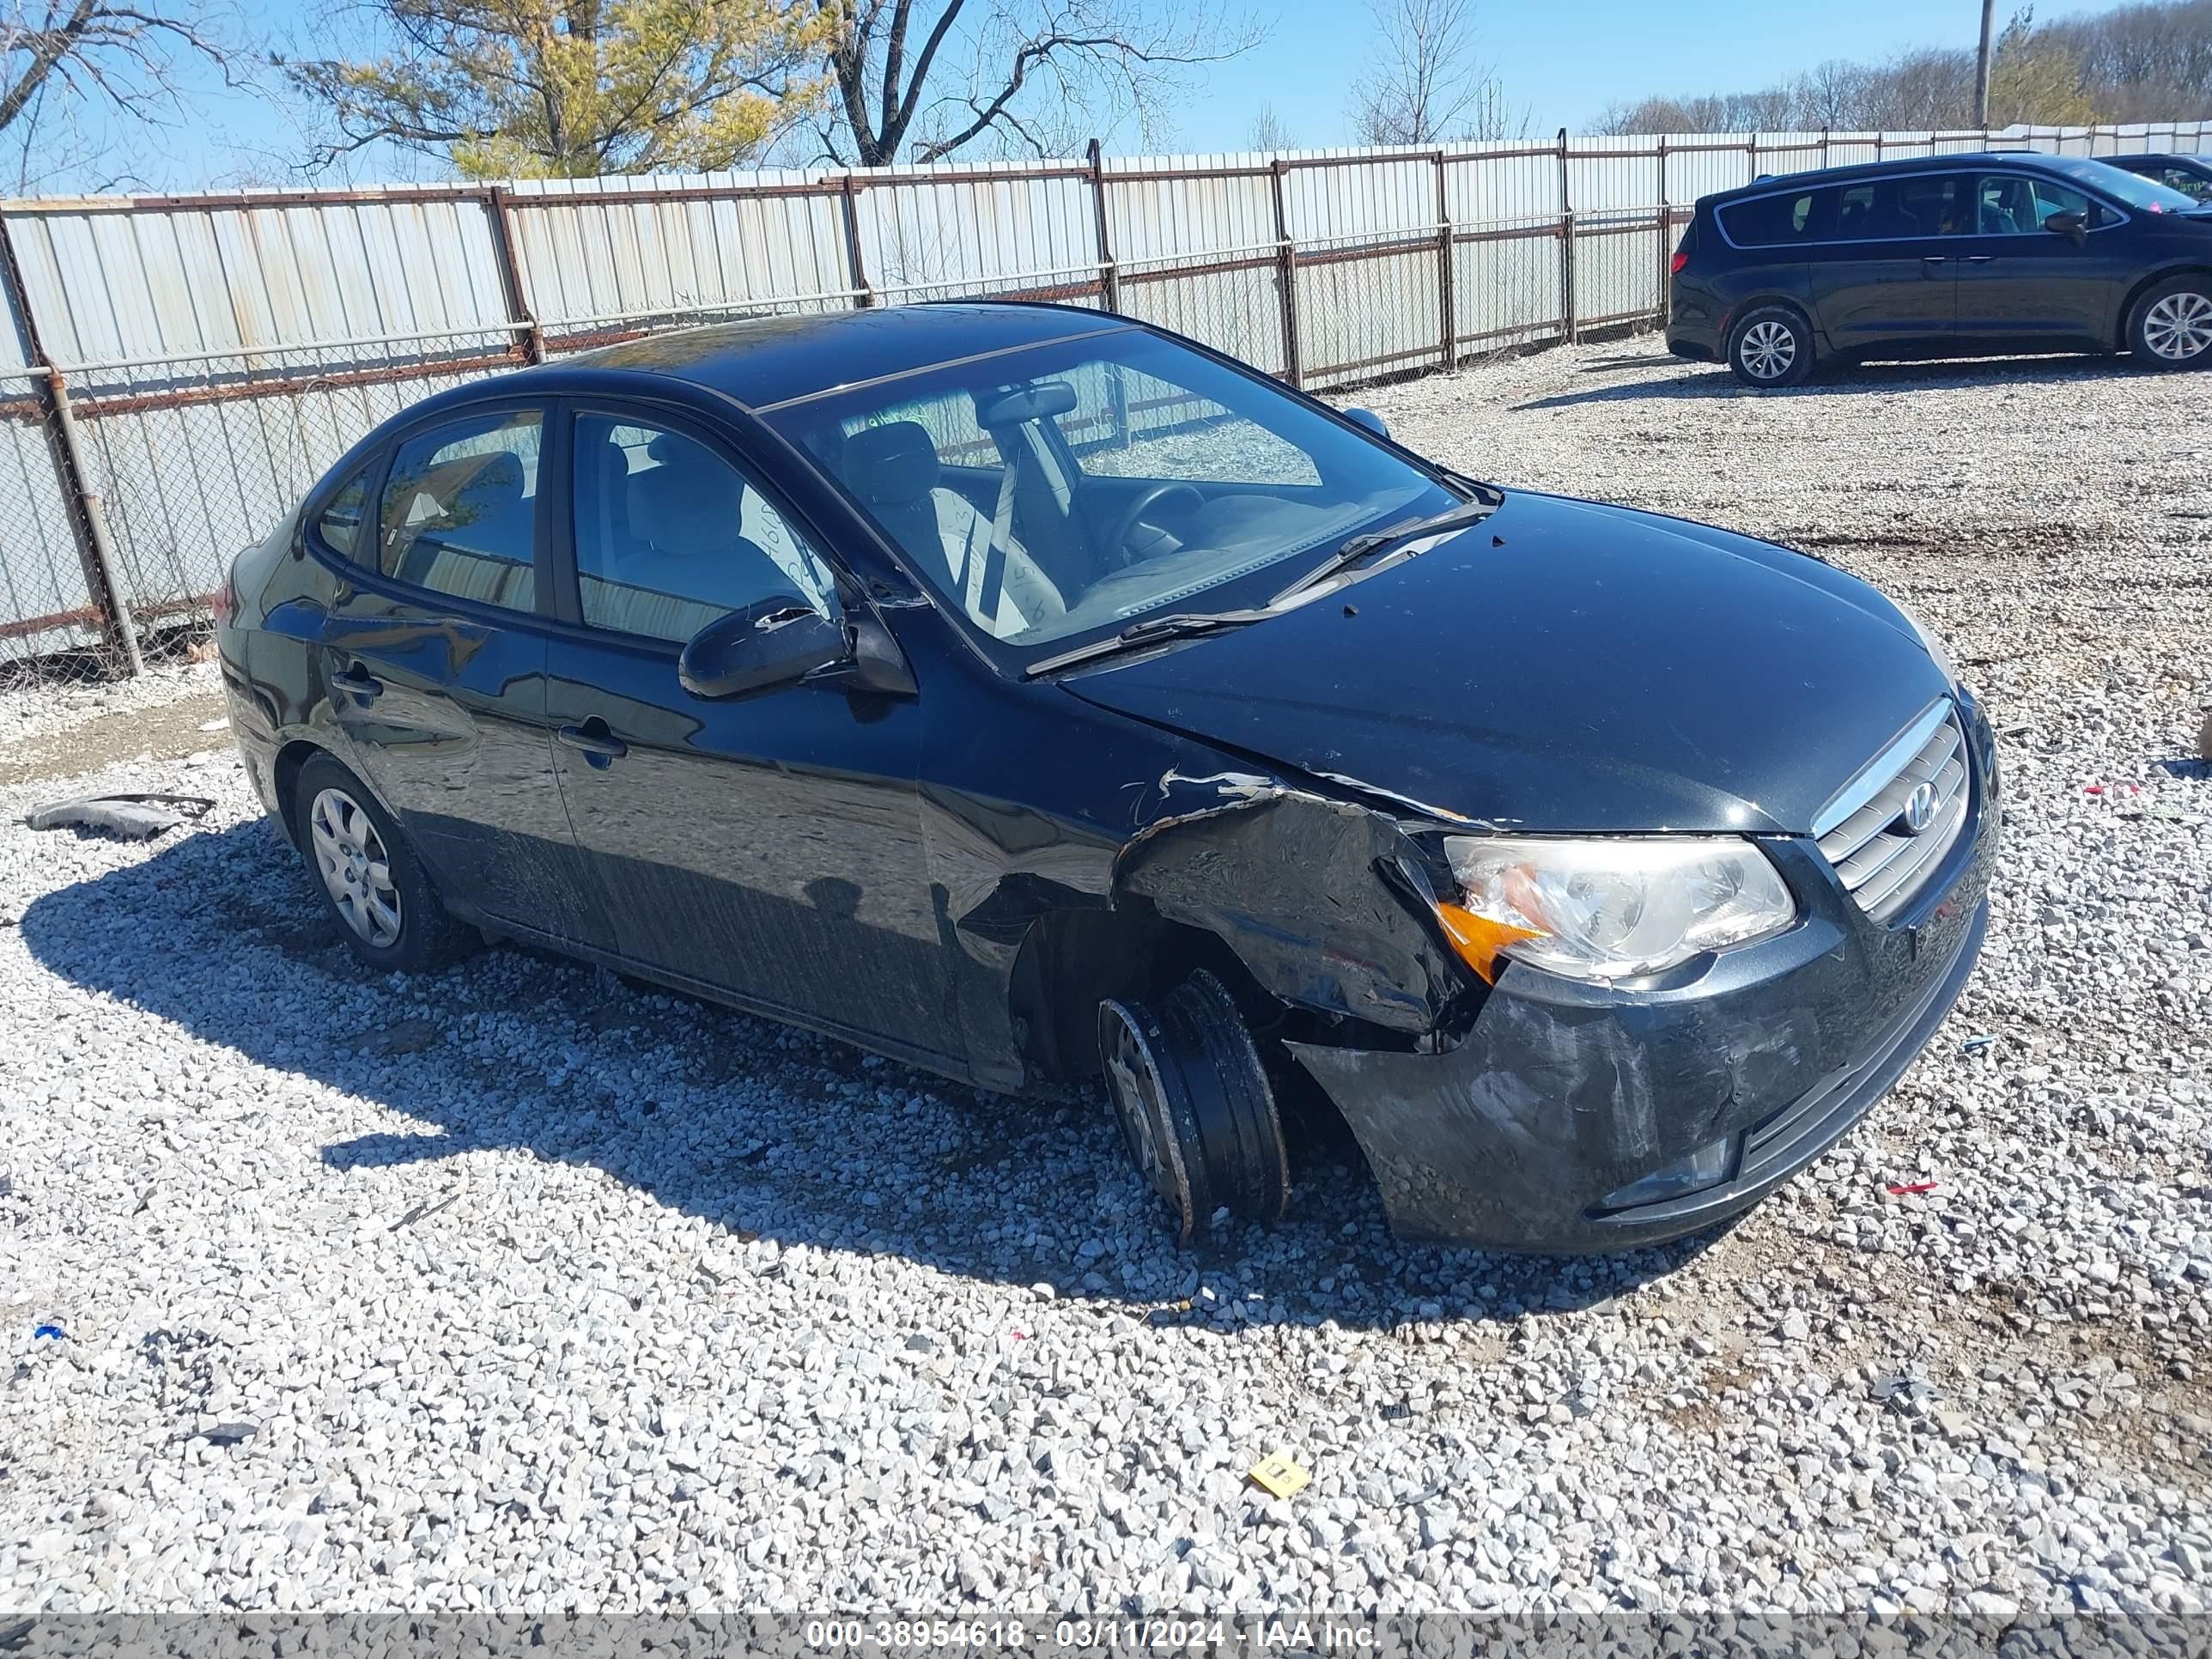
(1116, 544)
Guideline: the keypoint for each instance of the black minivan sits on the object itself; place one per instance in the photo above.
(1943, 256)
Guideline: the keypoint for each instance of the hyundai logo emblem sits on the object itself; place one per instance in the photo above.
(1919, 808)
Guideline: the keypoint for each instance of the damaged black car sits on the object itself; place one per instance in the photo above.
(1028, 694)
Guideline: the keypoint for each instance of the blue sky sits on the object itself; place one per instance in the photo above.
(1563, 63)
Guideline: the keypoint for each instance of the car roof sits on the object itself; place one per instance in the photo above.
(761, 361)
(1818, 176)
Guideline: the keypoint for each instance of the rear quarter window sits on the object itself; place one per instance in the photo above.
(1769, 221)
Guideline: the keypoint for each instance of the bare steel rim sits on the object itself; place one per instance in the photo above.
(1139, 1092)
(1766, 350)
(355, 867)
(2178, 326)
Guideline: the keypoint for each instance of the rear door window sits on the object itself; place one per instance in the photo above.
(460, 510)
(339, 522)
(1908, 208)
(1770, 220)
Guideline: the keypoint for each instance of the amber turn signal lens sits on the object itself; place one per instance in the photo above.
(1478, 939)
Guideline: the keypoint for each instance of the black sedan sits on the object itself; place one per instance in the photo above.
(1944, 255)
(2189, 174)
(1027, 695)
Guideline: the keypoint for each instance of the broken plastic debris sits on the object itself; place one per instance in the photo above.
(53, 1332)
(1278, 1475)
(133, 818)
(218, 724)
(1975, 1044)
(1910, 1188)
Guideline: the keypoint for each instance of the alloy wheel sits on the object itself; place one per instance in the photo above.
(2178, 326)
(356, 867)
(1766, 350)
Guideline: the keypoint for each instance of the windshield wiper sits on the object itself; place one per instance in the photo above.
(1367, 544)
(1181, 625)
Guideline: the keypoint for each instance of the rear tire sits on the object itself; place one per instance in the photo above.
(371, 885)
(1195, 1108)
(1771, 347)
(2170, 327)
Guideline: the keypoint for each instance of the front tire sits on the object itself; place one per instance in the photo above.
(2170, 327)
(371, 885)
(1197, 1112)
(1771, 347)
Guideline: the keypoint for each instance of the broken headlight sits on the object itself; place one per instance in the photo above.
(1609, 910)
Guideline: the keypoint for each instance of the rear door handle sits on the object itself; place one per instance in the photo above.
(598, 744)
(1933, 259)
(1979, 258)
(358, 683)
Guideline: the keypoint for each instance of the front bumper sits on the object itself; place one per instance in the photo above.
(1564, 1092)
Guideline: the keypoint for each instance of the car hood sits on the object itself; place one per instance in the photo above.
(1562, 666)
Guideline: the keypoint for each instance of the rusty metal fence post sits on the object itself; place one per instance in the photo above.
(1447, 298)
(64, 447)
(1567, 248)
(1110, 276)
(1287, 275)
(849, 194)
(527, 334)
(1665, 253)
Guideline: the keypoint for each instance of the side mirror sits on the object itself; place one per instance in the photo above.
(775, 642)
(2068, 225)
(1370, 419)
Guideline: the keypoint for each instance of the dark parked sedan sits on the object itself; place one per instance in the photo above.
(1027, 694)
(2189, 174)
(1944, 255)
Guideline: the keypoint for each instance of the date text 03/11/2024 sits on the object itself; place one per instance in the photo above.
(1083, 1636)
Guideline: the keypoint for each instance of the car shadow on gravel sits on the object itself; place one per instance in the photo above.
(1714, 380)
(764, 1132)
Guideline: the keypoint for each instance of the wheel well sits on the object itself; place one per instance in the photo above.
(1072, 960)
(284, 772)
(2135, 294)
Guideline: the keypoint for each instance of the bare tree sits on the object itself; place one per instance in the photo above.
(916, 80)
(64, 62)
(1270, 131)
(1424, 84)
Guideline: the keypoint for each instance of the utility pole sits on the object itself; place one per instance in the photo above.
(1981, 67)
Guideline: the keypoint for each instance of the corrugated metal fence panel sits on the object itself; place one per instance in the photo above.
(1162, 215)
(923, 237)
(1622, 174)
(1700, 163)
(40, 575)
(109, 285)
(1358, 192)
(706, 247)
(1490, 184)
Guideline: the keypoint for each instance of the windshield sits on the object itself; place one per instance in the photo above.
(1072, 490)
(2132, 188)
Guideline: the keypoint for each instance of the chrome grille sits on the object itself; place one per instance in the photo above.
(1863, 832)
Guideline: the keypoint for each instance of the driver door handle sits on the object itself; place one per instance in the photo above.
(359, 683)
(1933, 259)
(598, 744)
(1979, 258)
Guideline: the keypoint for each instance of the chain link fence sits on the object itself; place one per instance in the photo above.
(137, 456)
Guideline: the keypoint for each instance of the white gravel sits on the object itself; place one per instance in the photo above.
(518, 1288)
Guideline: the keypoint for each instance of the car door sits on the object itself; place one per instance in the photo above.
(1883, 280)
(434, 653)
(2026, 288)
(767, 848)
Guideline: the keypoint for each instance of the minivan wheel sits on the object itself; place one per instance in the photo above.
(1195, 1108)
(371, 885)
(2171, 327)
(1771, 347)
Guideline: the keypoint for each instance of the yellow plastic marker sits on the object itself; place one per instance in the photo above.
(1279, 1477)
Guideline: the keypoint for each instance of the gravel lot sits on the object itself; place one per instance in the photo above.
(516, 1288)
